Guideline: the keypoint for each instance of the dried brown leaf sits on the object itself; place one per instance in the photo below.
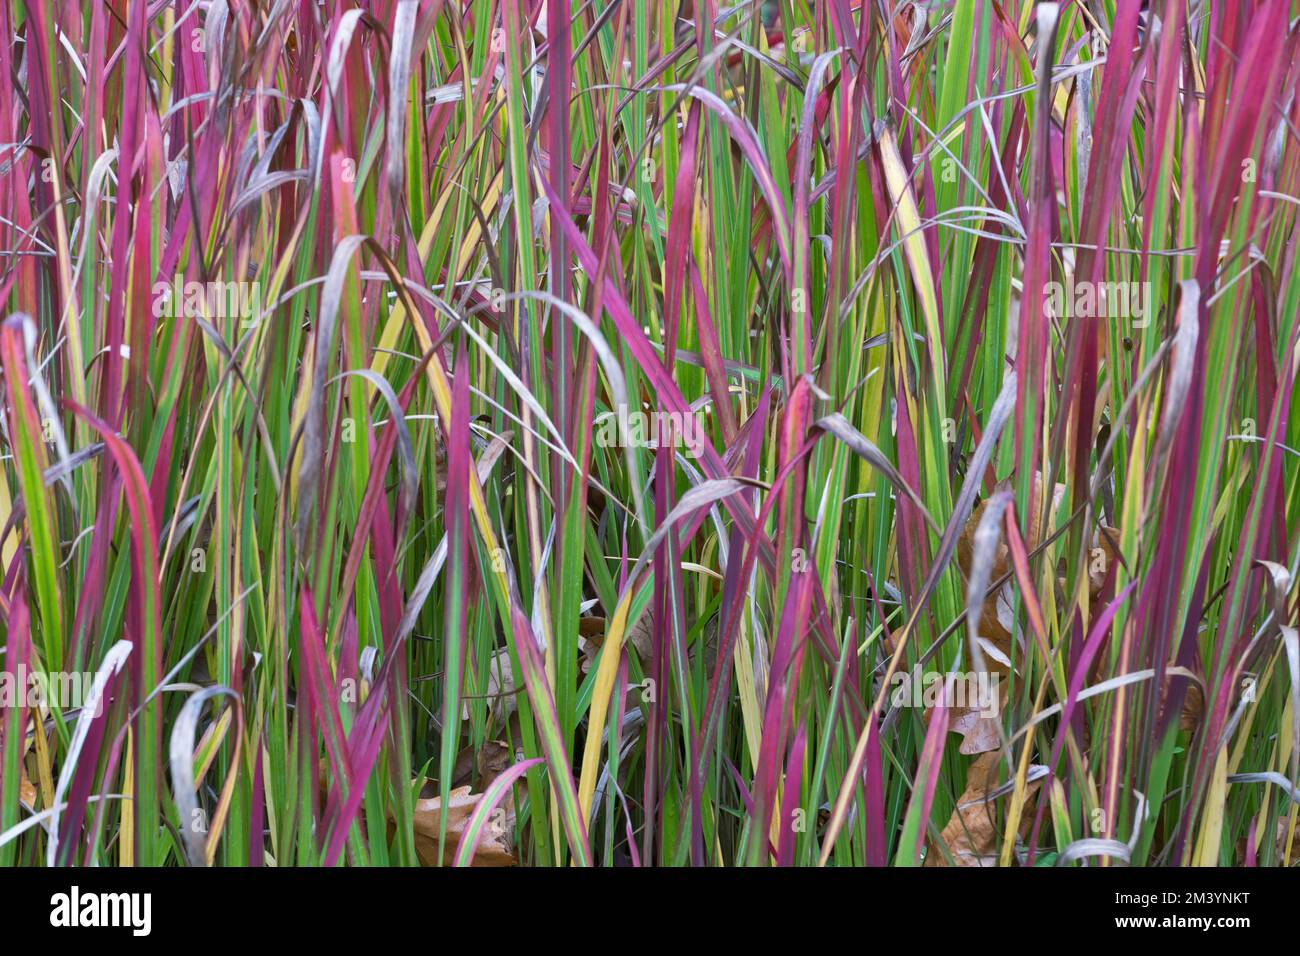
(493, 848)
(974, 832)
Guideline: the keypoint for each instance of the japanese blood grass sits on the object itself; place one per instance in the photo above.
(644, 391)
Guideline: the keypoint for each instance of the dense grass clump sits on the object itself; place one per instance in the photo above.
(797, 432)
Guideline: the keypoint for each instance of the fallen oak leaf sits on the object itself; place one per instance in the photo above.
(976, 717)
(501, 689)
(972, 833)
(591, 635)
(1103, 551)
(591, 626)
(27, 793)
(1193, 707)
(481, 765)
(493, 850)
(500, 790)
(980, 732)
